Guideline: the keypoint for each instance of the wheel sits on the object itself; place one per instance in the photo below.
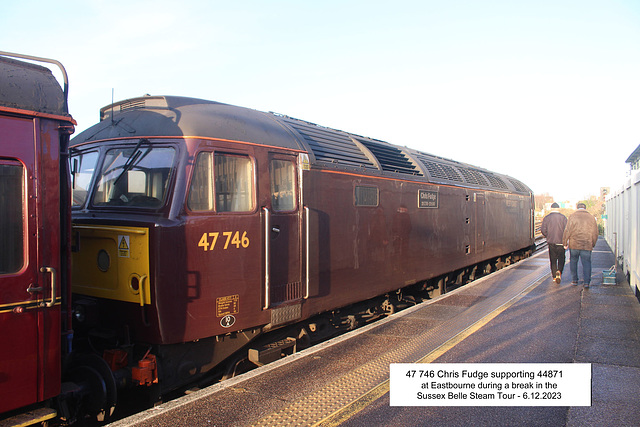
(98, 392)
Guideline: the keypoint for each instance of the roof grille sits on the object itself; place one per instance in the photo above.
(330, 145)
(496, 181)
(391, 158)
(440, 170)
(473, 177)
(131, 104)
(520, 187)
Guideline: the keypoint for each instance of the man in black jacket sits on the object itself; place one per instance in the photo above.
(553, 226)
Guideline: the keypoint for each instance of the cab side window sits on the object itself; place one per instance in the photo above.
(82, 169)
(222, 183)
(283, 185)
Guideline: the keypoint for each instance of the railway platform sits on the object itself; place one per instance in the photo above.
(517, 315)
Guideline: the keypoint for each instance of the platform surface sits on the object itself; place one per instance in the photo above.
(518, 315)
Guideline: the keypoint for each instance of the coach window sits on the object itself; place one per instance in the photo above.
(11, 216)
(223, 182)
(283, 185)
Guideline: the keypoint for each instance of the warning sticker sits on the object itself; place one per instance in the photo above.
(227, 305)
(123, 247)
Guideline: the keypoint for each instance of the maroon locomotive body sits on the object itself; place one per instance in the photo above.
(205, 234)
(35, 219)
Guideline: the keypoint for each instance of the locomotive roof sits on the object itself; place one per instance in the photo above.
(28, 86)
(172, 116)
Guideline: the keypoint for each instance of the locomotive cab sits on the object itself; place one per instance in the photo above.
(178, 244)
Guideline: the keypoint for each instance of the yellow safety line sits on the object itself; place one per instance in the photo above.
(381, 389)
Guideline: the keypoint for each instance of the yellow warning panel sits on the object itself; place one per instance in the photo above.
(111, 262)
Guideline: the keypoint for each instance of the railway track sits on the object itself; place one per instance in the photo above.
(540, 240)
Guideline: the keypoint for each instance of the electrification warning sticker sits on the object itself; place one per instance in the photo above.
(124, 247)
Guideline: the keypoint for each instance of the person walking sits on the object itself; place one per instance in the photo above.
(580, 236)
(552, 228)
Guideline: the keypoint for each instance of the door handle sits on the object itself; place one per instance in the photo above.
(307, 256)
(267, 257)
(52, 272)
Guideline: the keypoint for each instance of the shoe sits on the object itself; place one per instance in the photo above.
(558, 278)
(586, 285)
(574, 283)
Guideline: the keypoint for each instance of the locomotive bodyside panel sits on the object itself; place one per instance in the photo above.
(361, 251)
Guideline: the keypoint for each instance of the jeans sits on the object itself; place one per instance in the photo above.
(556, 257)
(585, 257)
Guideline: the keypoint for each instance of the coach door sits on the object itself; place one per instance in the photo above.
(283, 245)
(29, 264)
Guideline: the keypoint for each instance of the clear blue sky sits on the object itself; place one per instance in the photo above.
(546, 91)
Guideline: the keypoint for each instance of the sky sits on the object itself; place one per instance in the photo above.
(545, 91)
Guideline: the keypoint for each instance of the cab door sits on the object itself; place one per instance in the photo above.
(283, 231)
(29, 263)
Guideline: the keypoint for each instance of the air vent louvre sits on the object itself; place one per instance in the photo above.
(391, 158)
(520, 187)
(133, 104)
(473, 177)
(440, 171)
(495, 181)
(329, 145)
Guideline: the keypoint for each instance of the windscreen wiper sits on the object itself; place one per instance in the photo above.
(131, 161)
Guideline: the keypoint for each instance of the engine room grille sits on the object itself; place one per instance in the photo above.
(440, 170)
(134, 103)
(473, 177)
(495, 181)
(342, 148)
(520, 187)
(391, 159)
(329, 145)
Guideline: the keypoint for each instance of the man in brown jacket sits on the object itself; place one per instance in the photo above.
(580, 236)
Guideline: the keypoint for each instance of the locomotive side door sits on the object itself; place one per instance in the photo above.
(29, 263)
(283, 231)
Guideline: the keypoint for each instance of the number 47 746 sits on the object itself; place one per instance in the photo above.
(208, 241)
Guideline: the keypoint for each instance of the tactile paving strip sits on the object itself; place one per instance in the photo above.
(329, 399)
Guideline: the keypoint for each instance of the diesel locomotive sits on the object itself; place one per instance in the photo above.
(208, 237)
